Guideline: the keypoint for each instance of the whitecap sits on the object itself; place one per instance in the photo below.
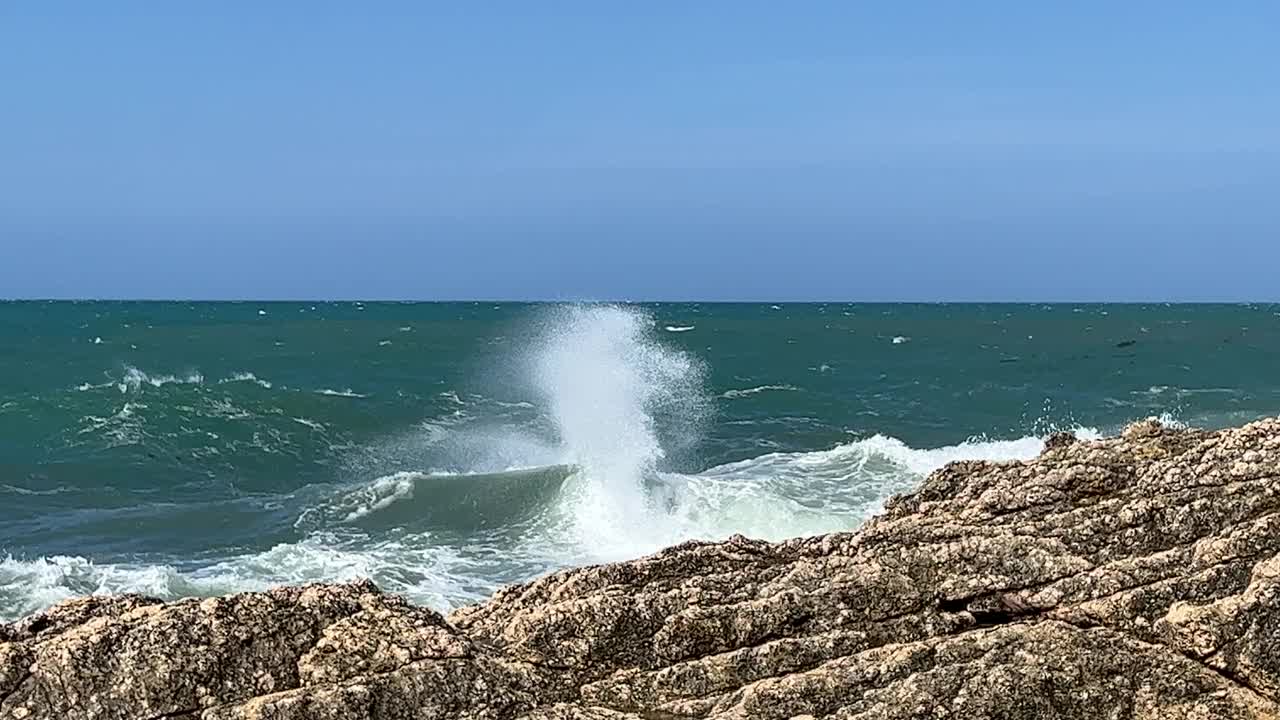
(134, 379)
(348, 393)
(14, 489)
(245, 377)
(746, 392)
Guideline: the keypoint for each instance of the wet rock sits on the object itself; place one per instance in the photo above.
(1132, 577)
(1059, 440)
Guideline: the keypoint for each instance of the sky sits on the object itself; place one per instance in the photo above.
(742, 150)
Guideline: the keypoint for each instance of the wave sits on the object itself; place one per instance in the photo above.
(122, 428)
(245, 377)
(436, 576)
(1161, 389)
(780, 495)
(318, 427)
(15, 490)
(27, 586)
(460, 502)
(348, 393)
(555, 510)
(134, 379)
(679, 328)
(747, 392)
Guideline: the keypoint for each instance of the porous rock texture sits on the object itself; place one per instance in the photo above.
(1133, 577)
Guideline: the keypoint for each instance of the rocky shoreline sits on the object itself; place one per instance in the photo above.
(1131, 577)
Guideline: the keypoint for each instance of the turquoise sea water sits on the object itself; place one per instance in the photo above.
(445, 449)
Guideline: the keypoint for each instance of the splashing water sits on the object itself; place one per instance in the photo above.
(605, 381)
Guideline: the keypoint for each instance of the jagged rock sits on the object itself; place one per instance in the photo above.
(1059, 439)
(1133, 577)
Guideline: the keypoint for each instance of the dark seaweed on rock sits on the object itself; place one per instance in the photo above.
(1133, 577)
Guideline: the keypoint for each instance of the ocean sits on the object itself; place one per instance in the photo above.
(443, 450)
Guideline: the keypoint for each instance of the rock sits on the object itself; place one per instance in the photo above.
(1133, 577)
(1059, 440)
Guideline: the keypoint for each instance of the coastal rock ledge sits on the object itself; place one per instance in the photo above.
(1132, 577)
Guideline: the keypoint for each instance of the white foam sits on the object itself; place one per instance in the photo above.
(309, 423)
(781, 495)
(679, 328)
(30, 585)
(433, 575)
(747, 392)
(245, 377)
(514, 404)
(224, 408)
(134, 380)
(27, 491)
(1172, 421)
(120, 429)
(901, 339)
(372, 497)
(348, 393)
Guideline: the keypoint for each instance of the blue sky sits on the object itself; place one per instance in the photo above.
(661, 150)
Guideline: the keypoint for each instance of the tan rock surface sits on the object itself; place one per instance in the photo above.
(1134, 577)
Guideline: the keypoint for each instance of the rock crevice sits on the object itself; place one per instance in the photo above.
(1131, 577)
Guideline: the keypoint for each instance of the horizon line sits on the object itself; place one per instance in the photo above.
(627, 301)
